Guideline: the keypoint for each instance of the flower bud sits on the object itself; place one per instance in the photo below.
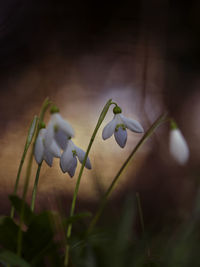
(178, 146)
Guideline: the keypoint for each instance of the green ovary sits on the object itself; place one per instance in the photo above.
(120, 125)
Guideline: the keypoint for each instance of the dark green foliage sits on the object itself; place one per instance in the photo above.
(39, 237)
(8, 233)
(17, 203)
(13, 259)
(116, 244)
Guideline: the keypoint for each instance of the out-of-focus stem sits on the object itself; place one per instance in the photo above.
(141, 217)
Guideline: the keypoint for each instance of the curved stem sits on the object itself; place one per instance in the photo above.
(45, 105)
(35, 187)
(100, 120)
(28, 172)
(30, 135)
(149, 132)
(12, 212)
(114, 103)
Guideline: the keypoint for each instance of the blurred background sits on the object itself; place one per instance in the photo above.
(144, 55)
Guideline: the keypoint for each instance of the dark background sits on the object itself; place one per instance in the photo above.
(31, 30)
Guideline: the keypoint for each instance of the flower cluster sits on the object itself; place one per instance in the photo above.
(56, 137)
(55, 140)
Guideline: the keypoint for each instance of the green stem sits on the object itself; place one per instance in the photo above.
(28, 172)
(149, 132)
(141, 217)
(35, 187)
(69, 229)
(30, 135)
(140, 212)
(114, 103)
(45, 105)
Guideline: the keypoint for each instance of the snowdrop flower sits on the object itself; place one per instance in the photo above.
(177, 145)
(118, 126)
(42, 151)
(58, 129)
(68, 160)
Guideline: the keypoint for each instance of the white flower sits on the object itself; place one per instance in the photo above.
(118, 126)
(178, 146)
(59, 130)
(68, 160)
(42, 151)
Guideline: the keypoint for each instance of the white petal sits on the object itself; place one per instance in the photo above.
(48, 157)
(81, 155)
(54, 149)
(71, 145)
(49, 135)
(132, 125)
(73, 166)
(66, 158)
(121, 137)
(62, 124)
(39, 148)
(61, 139)
(109, 128)
(178, 146)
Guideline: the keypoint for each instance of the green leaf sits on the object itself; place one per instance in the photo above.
(9, 257)
(104, 112)
(51, 253)
(8, 233)
(17, 203)
(31, 131)
(39, 234)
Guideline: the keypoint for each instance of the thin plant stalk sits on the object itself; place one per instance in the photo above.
(146, 136)
(141, 217)
(140, 212)
(45, 105)
(41, 118)
(27, 178)
(69, 229)
(29, 139)
(35, 187)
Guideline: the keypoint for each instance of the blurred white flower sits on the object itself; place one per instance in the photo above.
(58, 129)
(42, 151)
(178, 146)
(118, 126)
(68, 160)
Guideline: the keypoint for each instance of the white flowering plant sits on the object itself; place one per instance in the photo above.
(29, 239)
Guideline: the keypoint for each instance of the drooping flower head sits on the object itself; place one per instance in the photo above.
(44, 152)
(58, 129)
(68, 160)
(177, 145)
(118, 126)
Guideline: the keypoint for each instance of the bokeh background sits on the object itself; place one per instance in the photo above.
(143, 54)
